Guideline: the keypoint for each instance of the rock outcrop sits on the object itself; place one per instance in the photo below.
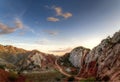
(35, 61)
(20, 59)
(102, 62)
(77, 56)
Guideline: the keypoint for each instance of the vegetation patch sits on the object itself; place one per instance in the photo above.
(12, 76)
(91, 79)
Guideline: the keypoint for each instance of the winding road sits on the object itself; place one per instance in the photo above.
(64, 73)
(61, 70)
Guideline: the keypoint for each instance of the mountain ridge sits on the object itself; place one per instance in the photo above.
(22, 59)
(97, 62)
(80, 63)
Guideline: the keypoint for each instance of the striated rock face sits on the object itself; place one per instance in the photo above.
(31, 61)
(20, 59)
(109, 60)
(77, 55)
(35, 60)
(102, 62)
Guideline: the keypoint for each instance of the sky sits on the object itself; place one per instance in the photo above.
(57, 26)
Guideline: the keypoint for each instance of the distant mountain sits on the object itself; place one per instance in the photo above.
(102, 62)
(20, 59)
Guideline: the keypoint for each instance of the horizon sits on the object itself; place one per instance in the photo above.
(57, 27)
(62, 52)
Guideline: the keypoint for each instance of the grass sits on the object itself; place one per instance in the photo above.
(44, 77)
(91, 79)
(12, 76)
(2, 67)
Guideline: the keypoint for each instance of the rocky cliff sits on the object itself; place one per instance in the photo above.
(102, 62)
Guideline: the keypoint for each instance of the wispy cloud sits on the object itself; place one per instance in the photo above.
(52, 19)
(18, 25)
(67, 15)
(4, 29)
(42, 42)
(59, 12)
(51, 32)
(27, 28)
(61, 50)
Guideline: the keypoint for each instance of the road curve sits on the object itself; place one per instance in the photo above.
(61, 70)
(64, 73)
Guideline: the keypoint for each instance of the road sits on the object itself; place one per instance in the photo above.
(64, 73)
(61, 70)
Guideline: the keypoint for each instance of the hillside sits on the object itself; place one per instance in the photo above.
(102, 62)
(20, 59)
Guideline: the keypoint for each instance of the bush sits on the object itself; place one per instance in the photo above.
(57, 79)
(2, 67)
(12, 76)
(91, 79)
(71, 79)
(27, 80)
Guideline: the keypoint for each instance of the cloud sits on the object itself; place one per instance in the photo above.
(59, 12)
(67, 15)
(52, 19)
(51, 32)
(18, 24)
(27, 29)
(61, 50)
(4, 29)
(42, 42)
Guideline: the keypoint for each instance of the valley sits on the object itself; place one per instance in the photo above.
(81, 64)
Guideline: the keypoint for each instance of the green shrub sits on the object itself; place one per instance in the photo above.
(27, 80)
(2, 67)
(91, 79)
(71, 79)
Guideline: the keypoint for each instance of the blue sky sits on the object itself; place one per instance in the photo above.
(57, 26)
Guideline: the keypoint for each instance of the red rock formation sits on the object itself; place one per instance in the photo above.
(3, 76)
(6, 77)
(90, 71)
(21, 78)
(102, 62)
